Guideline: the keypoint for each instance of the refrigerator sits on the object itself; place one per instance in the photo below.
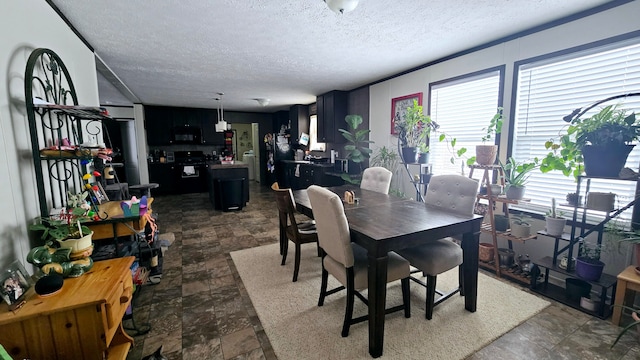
(278, 149)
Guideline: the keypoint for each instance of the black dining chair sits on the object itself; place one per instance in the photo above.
(299, 233)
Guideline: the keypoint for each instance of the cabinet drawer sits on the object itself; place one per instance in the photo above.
(117, 304)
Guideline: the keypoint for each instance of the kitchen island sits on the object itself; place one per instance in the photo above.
(228, 185)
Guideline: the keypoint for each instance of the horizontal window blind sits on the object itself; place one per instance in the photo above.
(462, 108)
(551, 89)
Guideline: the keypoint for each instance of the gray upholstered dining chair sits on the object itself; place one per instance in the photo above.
(376, 179)
(453, 193)
(346, 261)
(290, 229)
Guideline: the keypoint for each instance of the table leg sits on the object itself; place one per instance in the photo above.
(470, 243)
(377, 298)
(621, 289)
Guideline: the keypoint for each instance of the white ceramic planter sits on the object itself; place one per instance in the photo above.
(555, 226)
(77, 245)
(520, 230)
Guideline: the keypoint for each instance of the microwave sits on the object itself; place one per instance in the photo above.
(186, 135)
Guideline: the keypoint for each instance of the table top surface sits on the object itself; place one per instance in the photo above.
(383, 217)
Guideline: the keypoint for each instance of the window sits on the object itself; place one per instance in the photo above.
(462, 107)
(551, 88)
(313, 134)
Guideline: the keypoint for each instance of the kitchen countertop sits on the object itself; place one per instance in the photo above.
(306, 162)
(235, 165)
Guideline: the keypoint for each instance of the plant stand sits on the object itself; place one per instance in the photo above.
(492, 200)
(579, 231)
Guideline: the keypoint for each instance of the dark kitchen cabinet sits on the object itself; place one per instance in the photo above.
(299, 120)
(158, 123)
(307, 174)
(332, 109)
(166, 176)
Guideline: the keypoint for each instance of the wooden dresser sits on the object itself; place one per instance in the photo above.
(82, 321)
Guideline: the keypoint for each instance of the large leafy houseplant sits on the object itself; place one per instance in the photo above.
(390, 160)
(611, 127)
(357, 148)
(414, 129)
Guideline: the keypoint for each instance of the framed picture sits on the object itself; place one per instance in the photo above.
(98, 193)
(399, 107)
(15, 282)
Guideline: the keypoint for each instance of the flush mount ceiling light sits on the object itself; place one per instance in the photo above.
(263, 102)
(341, 6)
(221, 125)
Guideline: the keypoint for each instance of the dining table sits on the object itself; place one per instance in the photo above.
(381, 223)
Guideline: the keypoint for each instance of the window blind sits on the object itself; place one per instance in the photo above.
(550, 89)
(462, 108)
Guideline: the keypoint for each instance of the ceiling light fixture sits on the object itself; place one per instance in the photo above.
(341, 6)
(221, 125)
(263, 102)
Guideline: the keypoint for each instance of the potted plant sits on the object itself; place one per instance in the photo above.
(67, 242)
(554, 220)
(598, 145)
(588, 264)
(486, 153)
(388, 159)
(516, 176)
(520, 227)
(413, 130)
(574, 199)
(423, 153)
(357, 148)
(501, 222)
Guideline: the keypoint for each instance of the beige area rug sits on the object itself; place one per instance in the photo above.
(299, 329)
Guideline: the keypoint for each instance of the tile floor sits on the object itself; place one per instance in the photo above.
(200, 309)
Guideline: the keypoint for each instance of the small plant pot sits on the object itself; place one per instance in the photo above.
(506, 257)
(601, 201)
(486, 154)
(576, 288)
(495, 189)
(574, 199)
(486, 252)
(501, 222)
(589, 270)
(555, 226)
(515, 192)
(520, 230)
(423, 158)
(409, 155)
(588, 304)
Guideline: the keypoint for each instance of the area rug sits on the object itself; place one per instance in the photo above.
(299, 329)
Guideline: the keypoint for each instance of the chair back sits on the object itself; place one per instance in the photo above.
(286, 209)
(332, 225)
(376, 179)
(455, 193)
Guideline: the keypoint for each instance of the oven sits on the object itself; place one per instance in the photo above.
(191, 171)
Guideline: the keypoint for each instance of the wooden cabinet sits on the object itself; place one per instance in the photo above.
(332, 109)
(82, 321)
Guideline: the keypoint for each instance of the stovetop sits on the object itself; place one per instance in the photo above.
(190, 157)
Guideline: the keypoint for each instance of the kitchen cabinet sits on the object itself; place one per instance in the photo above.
(332, 109)
(158, 124)
(298, 175)
(82, 321)
(166, 176)
(299, 120)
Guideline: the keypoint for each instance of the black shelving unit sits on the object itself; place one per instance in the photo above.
(566, 243)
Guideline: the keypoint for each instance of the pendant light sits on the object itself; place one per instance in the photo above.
(221, 125)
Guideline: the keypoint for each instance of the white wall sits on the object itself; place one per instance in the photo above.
(26, 25)
(620, 20)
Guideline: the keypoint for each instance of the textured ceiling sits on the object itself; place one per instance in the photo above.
(183, 52)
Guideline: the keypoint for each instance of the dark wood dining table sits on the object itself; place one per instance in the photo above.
(381, 223)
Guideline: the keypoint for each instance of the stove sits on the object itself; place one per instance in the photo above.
(190, 158)
(192, 171)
